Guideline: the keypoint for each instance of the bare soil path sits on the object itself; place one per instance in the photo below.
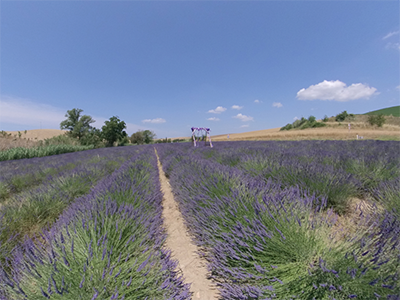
(179, 242)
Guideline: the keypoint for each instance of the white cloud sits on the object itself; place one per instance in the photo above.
(277, 104)
(243, 118)
(237, 107)
(257, 101)
(25, 112)
(337, 91)
(154, 121)
(393, 46)
(390, 34)
(213, 119)
(295, 118)
(244, 126)
(218, 110)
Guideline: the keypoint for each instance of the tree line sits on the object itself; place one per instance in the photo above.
(111, 133)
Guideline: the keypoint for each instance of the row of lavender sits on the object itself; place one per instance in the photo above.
(267, 238)
(107, 244)
(36, 191)
(17, 175)
(337, 170)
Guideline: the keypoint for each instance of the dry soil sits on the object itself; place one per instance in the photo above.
(183, 250)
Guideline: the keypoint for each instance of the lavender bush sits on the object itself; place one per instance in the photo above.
(267, 240)
(107, 245)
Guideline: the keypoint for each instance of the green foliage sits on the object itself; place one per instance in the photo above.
(377, 120)
(63, 139)
(92, 137)
(303, 123)
(137, 138)
(325, 119)
(179, 140)
(166, 140)
(287, 127)
(77, 124)
(113, 131)
(299, 122)
(143, 137)
(311, 119)
(341, 117)
(148, 136)
(19, 152)
(318, 124)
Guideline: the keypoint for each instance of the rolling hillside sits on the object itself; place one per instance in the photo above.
(394, 111)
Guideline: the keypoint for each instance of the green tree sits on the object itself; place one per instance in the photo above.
(77, 124)
(148, 136)
(113, 131)
(92, 137)
(137, 138)
(311, 119)
(341, 117)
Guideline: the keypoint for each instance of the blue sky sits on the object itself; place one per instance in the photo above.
(232, 66)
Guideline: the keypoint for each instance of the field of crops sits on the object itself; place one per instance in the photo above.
(274, 220)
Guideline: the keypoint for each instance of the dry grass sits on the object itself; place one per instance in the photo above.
(355, 218)
(38, 134)
(27, 139)
(331, 132)
(13, 142)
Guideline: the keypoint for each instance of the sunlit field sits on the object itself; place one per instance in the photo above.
(272, 219)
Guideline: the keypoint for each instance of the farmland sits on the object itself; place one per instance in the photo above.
(273, 220)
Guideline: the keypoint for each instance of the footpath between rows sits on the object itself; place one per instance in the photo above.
(192, 266)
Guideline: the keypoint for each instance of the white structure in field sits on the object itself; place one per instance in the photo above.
(200, 131)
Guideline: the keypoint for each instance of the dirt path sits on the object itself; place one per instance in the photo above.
(179, 242)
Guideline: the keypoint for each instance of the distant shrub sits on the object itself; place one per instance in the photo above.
(63, 139)
(287, 127)
(341, 117)
(318, 124)
(143, 137)
(325, 119)
(303, 123)
(377, 120)
(178, 140)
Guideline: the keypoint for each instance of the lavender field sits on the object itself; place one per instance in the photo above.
(274, 220)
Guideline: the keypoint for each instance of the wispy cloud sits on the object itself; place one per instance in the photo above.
(398, 87)
(237, 107)
(257, 101)
(244, 126)
(25, 112)
(154, 121)
(218, 110)
(336, 91)
(277, 104)
(295, 118)
(243, 118)
(393, 46)
(390, 34)
(213, 119)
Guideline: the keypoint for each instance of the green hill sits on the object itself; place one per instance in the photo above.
(394, 111)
